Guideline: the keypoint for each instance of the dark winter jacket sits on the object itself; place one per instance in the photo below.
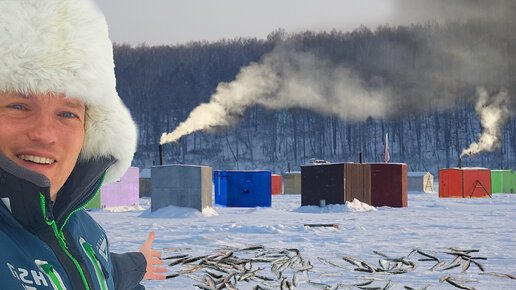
(46, 245)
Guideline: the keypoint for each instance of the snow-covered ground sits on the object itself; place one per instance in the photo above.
(430, 223)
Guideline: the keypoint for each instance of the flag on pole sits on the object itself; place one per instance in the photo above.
(386, 156)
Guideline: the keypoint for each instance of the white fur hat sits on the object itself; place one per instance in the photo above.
(62, 46)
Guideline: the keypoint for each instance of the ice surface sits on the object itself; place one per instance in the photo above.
(430, 223)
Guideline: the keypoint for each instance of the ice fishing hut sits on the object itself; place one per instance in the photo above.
(276, 184)
(503, 181)
(181, 186)
(242, 188)
(145, 182)
(335, 183)
(389, 184)
(465, 182)
(420, 181)
(124, 192)
(292, 182)
(377, 184)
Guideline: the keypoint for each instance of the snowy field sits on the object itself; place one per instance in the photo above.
(429, 223)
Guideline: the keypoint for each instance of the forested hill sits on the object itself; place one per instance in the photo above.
(428, 77)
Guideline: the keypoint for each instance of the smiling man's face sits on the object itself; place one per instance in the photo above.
(43, 133)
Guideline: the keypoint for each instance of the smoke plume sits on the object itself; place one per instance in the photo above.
(493, 113)
(427, 70)
(286, 79)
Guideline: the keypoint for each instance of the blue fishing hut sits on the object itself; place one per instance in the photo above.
(242, 188)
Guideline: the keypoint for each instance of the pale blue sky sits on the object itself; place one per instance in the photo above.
(179, 21)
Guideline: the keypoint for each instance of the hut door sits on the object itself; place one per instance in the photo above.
(428, 185)
(445, 184)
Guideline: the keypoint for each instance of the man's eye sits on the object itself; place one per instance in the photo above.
(68, 115)
(17, 107)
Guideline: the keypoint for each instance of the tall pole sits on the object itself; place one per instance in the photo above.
(160, 154)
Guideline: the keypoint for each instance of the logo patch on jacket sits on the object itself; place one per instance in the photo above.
(28, 277)
(102, 248)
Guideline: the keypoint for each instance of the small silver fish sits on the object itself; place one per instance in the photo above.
(438, 264)
(449, 267)
(229, 277)
(178, 261)
(352, 261)
(251, 248)
(465, 266)
(248, 266)
(501, 275)
(334, 274)
(427, 255)
(194, 269)
(457, 260)
(478, 265)
(264, 278)
(461, 280)
(194, 277)
(444, 278)
(458, 285)
(363, 283)
(426, 260)
(204, 287)
(284, 266)
(283, 284)
(213, 275)
(280, 260)
(230, 286)
(380, 254)
(412, 252)
(294, 261)
(175, 249)
(174, 275)
(194, 259)
(227, 255)
(175, 257)
(389, 285)
(370, 278)
(209, 281)
(249, 274)
(318, 284)
(295, 279)
(384, 264)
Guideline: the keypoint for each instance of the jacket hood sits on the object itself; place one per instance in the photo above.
(62, 46)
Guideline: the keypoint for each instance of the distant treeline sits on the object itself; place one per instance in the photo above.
(424, 64)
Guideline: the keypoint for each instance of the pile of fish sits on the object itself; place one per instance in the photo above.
(258, 267)
(266, 268)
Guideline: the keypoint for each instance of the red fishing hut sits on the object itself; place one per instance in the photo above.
(465, 182)
(276, 184)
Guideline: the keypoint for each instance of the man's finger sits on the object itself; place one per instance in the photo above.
(159, 270)
(158, 277)
(155, 253)
(149, 240)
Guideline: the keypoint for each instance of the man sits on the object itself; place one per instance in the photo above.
(63, 133)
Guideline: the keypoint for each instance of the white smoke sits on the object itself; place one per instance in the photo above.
(411, 81)
(493, 113)
(286, 79)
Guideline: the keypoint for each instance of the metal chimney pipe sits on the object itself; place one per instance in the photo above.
(360, 157)
(160, 154)
(460, 162)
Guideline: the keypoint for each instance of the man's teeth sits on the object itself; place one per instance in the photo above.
(36, 159)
